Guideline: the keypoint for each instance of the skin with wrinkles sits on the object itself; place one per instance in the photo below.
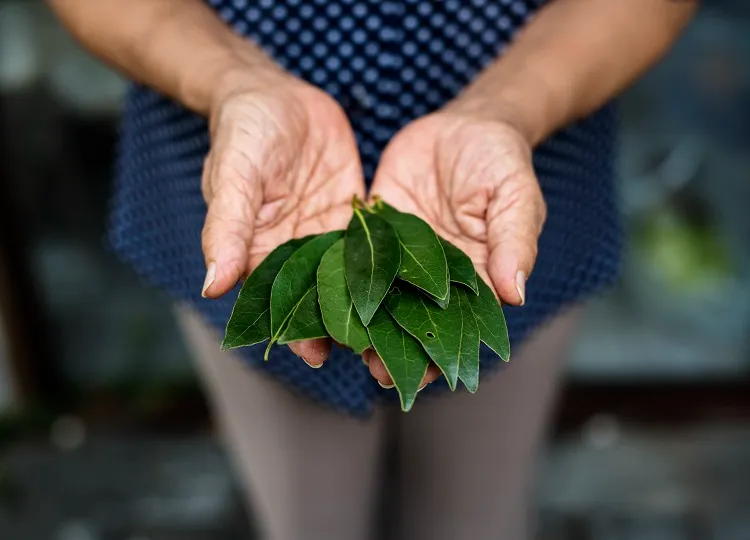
(289, 159)
(283, 164)
(473, 181)
(468, 179)
(277, 141)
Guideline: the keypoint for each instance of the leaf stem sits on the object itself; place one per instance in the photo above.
(358, 203)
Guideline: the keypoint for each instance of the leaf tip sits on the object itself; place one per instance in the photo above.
(366, 317)
(406, 405)
(445, 296)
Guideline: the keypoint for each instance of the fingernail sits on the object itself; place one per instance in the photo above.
(210, 278)
(422, 387)
(521, 286)
(386, 386)
(314, 366)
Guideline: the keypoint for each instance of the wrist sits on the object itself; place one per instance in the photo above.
(240, 67)
(528, 106)
(496, 108)
(238, 77)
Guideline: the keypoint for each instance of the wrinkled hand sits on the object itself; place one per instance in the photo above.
(283, 164)
(473, 181)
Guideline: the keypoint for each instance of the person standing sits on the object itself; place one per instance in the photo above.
(254, 122)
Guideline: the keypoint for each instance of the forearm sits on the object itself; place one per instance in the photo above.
(179, 47)
(572, 58)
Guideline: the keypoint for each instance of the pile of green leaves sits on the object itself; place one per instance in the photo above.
(388, 282)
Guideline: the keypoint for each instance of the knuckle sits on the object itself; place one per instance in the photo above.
(517, 192)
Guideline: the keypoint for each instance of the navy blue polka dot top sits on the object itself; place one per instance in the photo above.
(386, 62)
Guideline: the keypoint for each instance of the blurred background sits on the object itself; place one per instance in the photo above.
(104, 433)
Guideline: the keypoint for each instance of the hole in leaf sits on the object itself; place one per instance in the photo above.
(430, 335)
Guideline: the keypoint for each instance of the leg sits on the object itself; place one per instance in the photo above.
(467, 462)
(310, 473)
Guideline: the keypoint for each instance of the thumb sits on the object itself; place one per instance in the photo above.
(227, 235)
(515, 216)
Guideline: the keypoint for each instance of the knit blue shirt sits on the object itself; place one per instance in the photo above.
(386, 63)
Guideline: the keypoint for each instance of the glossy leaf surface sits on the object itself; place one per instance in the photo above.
(423, 262)
(336, 306)
(404, 358)
(438, 330)
(306, 321)
(296, 277)
(250, 322)
(493, 330)
(372, 257)
(468, 363)
(460, 267)
(442, 303)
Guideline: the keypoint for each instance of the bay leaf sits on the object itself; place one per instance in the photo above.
(493, 330)
(372, 257)
(306, 321)
(423, 262)
(438, 330)
(404, 358)
(468, 363)
(336, 306)
(460, 267)
(250, 321)
(443, 303)
(296, 277)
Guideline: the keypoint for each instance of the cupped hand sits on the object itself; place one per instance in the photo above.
(473, 181)
(283, 163)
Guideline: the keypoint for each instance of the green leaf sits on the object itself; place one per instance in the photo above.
(339, 315)
(460, 267)
(489, 315)
(404, 358)
(438, 330)
(306, 322)
(294, 280)
(442, 303)
(423, 261)
(372, 257)
(468, 364)
(250, 322)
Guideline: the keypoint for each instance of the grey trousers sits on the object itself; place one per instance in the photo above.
(465, 462)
